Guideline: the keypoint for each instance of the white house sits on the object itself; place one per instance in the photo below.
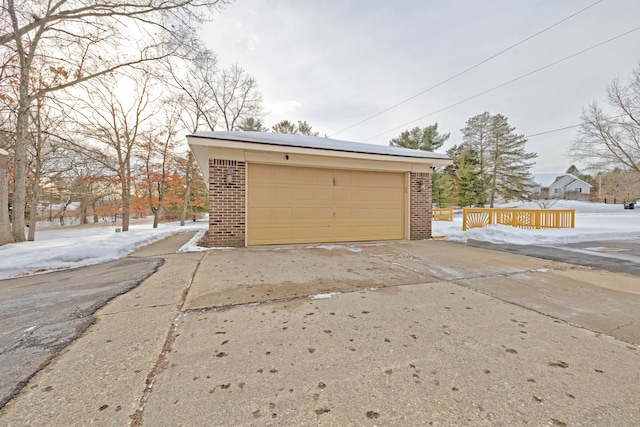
(561, 186)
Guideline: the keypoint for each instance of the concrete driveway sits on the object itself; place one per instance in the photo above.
(395, 333)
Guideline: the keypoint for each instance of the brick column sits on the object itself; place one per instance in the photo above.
(420, 206)
(227, 203)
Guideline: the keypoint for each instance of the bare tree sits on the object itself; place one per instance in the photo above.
(611, 139)
(190, 170)
(77, 36)
(237, 97)
(208, 97)
(157, 152)
(112, 129)
(193, 82)
(47, 151)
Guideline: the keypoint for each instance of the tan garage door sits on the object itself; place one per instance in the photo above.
(308, 205)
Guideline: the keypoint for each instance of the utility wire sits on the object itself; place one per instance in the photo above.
(551, 131)
(565, 128)
(506, 83)
(466, 70)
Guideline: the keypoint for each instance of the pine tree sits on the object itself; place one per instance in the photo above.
(504, 164)
(573, 170)
(441, 188)
(302, 128)
(252, 124)
(476, 136)
(427, 139)
(469, 186)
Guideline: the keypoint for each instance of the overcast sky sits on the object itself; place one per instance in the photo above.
(335, 63)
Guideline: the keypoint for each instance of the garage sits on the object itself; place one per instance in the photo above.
(267, 188)
(301, 204)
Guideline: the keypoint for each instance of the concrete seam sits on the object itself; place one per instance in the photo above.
(161, 362)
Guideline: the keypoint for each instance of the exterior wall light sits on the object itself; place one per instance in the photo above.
(421, 185)
(229, 176)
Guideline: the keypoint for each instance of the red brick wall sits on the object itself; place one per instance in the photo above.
(227, 203)
(420, 206)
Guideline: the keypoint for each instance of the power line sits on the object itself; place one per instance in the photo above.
(564, 128)
(466, 70)
(506, 83)
(552, 131)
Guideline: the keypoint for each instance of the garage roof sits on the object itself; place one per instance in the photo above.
(318, 143)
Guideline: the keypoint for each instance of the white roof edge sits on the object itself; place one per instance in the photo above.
(316, 142)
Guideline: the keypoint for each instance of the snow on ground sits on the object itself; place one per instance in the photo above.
(594, 221)
(68, 247)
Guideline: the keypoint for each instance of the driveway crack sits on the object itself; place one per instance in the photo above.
(161, 362)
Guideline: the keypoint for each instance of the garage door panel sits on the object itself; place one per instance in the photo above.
(282, 193)
(344, 178)
(305, 175)
(282, 175)
(282, 214)
(302, 205)
(305, 193)
(324, 176)
(362, 179)
(343, 214)
(261, 214)
(305, 213)
(361, 195)
(305, 234)
(343, 196)
(324, 213)
(324, 195)
(361, 213)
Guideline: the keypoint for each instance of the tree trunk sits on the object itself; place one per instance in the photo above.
(20, 163)
(33, 217)
(156, 214)
(126, 210)
(5, 225)
(187, 191)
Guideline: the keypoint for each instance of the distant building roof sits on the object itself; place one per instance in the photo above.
(545, 180)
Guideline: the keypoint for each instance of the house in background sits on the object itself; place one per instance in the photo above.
(561, 186)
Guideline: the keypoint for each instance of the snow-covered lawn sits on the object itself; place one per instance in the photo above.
(68, 247)
(594, 221)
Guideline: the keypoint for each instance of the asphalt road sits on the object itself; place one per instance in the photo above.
(616, 256)
(41, 314)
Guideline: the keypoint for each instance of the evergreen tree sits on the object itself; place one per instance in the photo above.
(469, 187)
(476, 136)
(454, 154)
(302, 128)
(441, 189)
(285, 126)
(504, 164)
(427, 139)
(573, 170)
(252, 124)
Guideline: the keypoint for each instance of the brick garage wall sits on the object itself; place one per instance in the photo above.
(420, 206)
(227, 203)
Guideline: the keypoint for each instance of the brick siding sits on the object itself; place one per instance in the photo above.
(420, 206)
(227, 203)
